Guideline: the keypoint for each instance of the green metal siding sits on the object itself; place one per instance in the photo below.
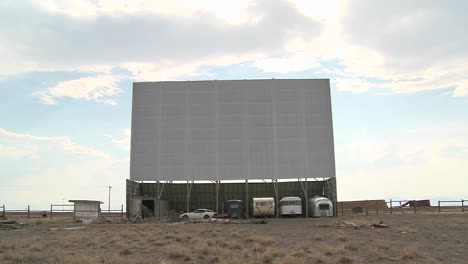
(203, 195)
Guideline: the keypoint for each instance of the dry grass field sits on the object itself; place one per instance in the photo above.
(440, 238)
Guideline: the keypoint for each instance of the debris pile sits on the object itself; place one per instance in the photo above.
(9, 224)
(344, 223)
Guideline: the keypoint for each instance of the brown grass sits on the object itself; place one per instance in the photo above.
(327, 249)
(411, 252)
(279, 242)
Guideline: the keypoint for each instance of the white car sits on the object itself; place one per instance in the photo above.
(198, 214)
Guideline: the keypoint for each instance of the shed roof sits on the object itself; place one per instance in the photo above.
(85, 201)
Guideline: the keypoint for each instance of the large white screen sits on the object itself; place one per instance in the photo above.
(232, 130)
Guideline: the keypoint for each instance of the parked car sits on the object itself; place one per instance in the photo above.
(198, 214)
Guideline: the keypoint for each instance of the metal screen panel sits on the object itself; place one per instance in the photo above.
(232, 130)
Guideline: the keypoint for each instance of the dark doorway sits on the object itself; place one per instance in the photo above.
(149, 204)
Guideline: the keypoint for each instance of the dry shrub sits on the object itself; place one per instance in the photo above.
(108, 259)
(327, 250)
(267, 259)
(176, 251)
(319, 260)
(318, 238)
(378, 254)
(289, 260)
(125, 251)
(350, 247)
(37, 247)
(233, 245)
(23, 258)
(275, 252)
(342, 237)
(411, 252)
(381, 245)
(262, 240)
(221, 243)
(346, 260)
(236, 234)
(257, 248)
(298, 254)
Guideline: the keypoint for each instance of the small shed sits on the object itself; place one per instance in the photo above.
(86, 209)
(320, 207)
(233, 208)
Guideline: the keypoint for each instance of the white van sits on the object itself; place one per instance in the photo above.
(290, 206)
(264, 206)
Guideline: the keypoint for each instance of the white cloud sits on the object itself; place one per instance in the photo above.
(407, 46)
(27, 145)
(407, 40)
(297, 62)
(124, 142)
(142, 36)
(353, 85)
(419, 163)
(56, 167)
(234, 12)
(100, 89)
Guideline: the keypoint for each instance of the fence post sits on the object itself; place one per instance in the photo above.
(391, 207)
(463, 208)
(376, 207)
(439, 206)
(121, 212)
(51, 210)
(342, 211)
(28, 211)
(367, 209)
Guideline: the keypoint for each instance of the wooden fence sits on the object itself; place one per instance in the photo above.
(374, 207)
(57, 210)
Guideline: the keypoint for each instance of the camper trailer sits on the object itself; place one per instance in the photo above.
(290, 206)
(263, 206)
(233, 208)
(320, 207)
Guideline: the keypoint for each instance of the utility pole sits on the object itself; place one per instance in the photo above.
(108, 209)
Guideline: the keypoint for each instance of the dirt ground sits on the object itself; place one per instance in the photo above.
(410, 238)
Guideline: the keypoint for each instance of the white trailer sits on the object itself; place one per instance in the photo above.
(264, 206)
(290, 206)
(320, 207)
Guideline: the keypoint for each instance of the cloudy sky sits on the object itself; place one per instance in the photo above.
(398, 70)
